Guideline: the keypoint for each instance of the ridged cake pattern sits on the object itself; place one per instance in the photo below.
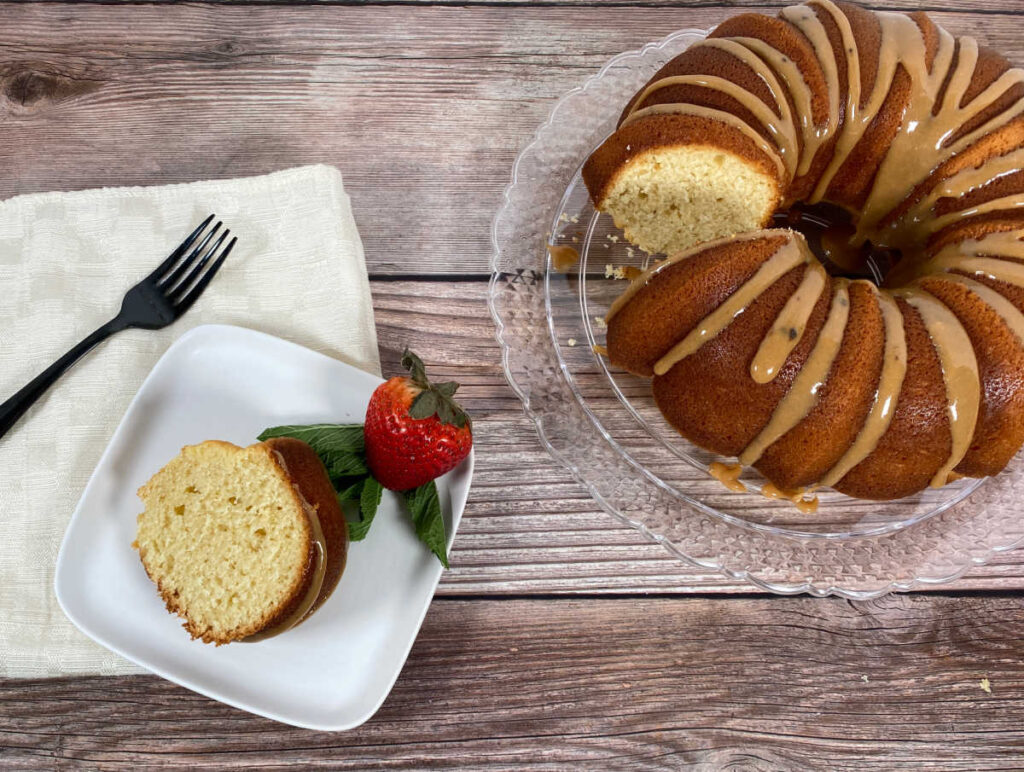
(921, 136)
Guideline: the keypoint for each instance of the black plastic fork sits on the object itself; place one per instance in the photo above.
(155, 302)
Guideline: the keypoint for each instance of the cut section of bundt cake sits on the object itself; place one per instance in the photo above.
(669, 195)
(242, 542)
(755, 350)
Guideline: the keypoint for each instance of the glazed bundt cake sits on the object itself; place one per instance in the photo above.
(755, 349)
(242, 543)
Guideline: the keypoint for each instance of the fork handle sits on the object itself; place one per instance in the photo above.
(15, 407)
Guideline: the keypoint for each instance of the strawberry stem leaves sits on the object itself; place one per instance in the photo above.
(417, 371)
(435, 398)
(424, 405)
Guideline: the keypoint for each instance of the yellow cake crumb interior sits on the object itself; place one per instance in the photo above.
(224, 537)
(669, 199)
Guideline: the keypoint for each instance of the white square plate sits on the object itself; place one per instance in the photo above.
(334, 670)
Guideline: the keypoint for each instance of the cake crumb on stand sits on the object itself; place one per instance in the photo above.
(621, 272)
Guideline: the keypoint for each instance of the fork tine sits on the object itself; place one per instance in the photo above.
(193, 295)
(182, 248)
(180, 289)
(171, 282)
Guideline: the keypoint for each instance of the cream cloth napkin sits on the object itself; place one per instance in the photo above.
(66, 260)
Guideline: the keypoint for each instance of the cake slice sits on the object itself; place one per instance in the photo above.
(668, 195)
(242, 542)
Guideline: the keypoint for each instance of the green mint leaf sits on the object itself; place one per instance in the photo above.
(349, 501)
(352, 492)
(368, 503)
(346, 438)
(370, 498)
(425, 510)
(424, 406)
(357, 530)
(342, 464)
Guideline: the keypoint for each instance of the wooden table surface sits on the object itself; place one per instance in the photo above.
(558, 637)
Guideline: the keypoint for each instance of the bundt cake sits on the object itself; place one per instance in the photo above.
(243, 543)
(755, 349)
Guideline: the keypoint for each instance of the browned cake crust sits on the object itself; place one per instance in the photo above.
(708, 61)
(803, 455)
(999, 143)
(918, 440)
(947, 204)
(692, 394)
(1000, 429)
(785, 38)
(311, 480)
(665, 131)
(675, 299)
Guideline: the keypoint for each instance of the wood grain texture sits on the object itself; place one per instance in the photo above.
(743, 684)
(529, 527)
(422, 107)
(975, 6)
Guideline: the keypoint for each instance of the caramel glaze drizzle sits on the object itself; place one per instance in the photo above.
(928, 123)
(797, 496)
(728, 475)
(789, 255)
(802, 396)
(563, 257)
(789, 325)
(959, 369)
(718, 115)
(1010, 314)
(640, 281)
(926, 140)
(890, 383)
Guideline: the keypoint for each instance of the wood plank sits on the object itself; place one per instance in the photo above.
(529, 527)
(744, 683)
(423, 108)
(979, 6)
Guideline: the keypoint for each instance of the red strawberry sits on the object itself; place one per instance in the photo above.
(414, 430)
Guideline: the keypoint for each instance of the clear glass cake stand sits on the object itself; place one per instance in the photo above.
(603, 426)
